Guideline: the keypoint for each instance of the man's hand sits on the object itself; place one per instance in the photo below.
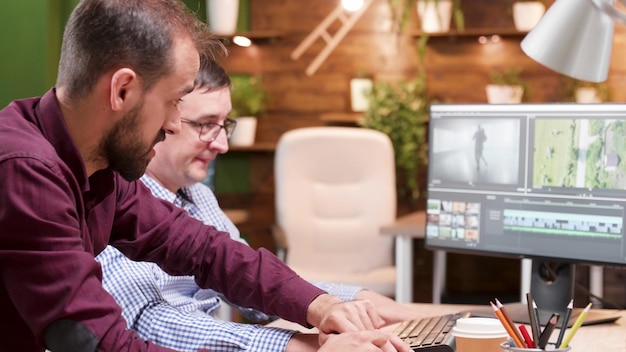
(390, 310)
(330, 315)
(365, 341)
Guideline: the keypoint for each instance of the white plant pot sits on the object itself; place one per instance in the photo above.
(245, 131)
(359, 89)
(526, 14)
(587, 95)
(222, 16)
(502, 94)
(435, 16)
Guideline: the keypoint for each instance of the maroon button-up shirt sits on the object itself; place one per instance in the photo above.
(54, 219)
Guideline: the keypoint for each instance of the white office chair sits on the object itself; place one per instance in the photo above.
(335, 188)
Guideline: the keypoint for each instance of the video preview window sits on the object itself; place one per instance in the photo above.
(475, 151)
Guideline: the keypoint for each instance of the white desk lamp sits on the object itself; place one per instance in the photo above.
(575, 38)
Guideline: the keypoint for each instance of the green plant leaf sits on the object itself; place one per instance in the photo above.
(401, 110)
(248, 96)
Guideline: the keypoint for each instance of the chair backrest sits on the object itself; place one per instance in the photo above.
(335, 188)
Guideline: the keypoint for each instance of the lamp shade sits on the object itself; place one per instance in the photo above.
(574, 38)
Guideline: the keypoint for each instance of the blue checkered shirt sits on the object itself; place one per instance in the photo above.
(173, 311)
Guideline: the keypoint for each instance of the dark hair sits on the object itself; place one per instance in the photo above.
(211, 76)
(105, 34)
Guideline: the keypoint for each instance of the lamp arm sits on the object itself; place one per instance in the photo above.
(608, 7)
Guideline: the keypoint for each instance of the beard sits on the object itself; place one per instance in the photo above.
(124, 149)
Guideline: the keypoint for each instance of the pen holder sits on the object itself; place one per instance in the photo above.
(506, 347)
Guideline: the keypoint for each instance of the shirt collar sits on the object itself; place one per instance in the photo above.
(157, 189)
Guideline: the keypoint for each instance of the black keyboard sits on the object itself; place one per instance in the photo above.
(432, 334)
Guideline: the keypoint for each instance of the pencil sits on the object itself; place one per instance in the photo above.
(577, 324)
(506, 316)
(506, 325)
(532, 314)
(547, 331)
(568, 313)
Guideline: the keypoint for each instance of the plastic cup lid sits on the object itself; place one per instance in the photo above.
(481, 328)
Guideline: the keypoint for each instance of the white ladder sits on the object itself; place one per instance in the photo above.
(332, 40)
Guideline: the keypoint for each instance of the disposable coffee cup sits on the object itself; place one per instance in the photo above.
(479, 334)
(506, 347)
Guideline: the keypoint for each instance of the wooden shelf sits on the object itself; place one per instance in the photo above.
(341, 117)
(255, 36)
(473, 32)
(237, 216)
(257, 147)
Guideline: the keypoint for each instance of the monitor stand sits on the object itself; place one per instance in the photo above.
(552, 287)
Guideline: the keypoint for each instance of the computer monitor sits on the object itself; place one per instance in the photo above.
(539, 181)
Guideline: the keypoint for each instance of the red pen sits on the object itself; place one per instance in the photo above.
(526, 335)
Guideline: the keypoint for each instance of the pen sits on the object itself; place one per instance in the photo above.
(576, 325)
(526, 335)
(532, 314)
(506, 316)
(507, 327)
(568, 313)
(547, 331)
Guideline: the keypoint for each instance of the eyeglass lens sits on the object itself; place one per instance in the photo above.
(210, 131)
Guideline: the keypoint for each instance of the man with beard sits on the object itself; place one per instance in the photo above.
(165, 303)
(69, 163)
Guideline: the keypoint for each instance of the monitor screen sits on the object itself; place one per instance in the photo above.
(529, 180)
(541, 181)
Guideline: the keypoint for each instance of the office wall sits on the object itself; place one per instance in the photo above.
(30, 37)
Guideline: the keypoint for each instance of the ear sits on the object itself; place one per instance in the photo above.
(126, 89)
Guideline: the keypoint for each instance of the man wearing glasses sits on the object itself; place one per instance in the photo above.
(174, 311)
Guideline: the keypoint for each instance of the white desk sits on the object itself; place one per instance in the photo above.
(407, 228)
(411, 226)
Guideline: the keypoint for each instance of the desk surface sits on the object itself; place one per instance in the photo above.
(411, 225)
(609, 337)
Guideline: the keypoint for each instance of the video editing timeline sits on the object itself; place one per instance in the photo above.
(539, 184)
(562, 224)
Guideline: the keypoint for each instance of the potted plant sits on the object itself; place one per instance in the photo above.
(435, 15)
(249, 99)
(401, 110)
(526, 14)
(222, 16)
(574, 90)
(507, 87)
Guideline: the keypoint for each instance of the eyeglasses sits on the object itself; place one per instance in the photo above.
(209, 130)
